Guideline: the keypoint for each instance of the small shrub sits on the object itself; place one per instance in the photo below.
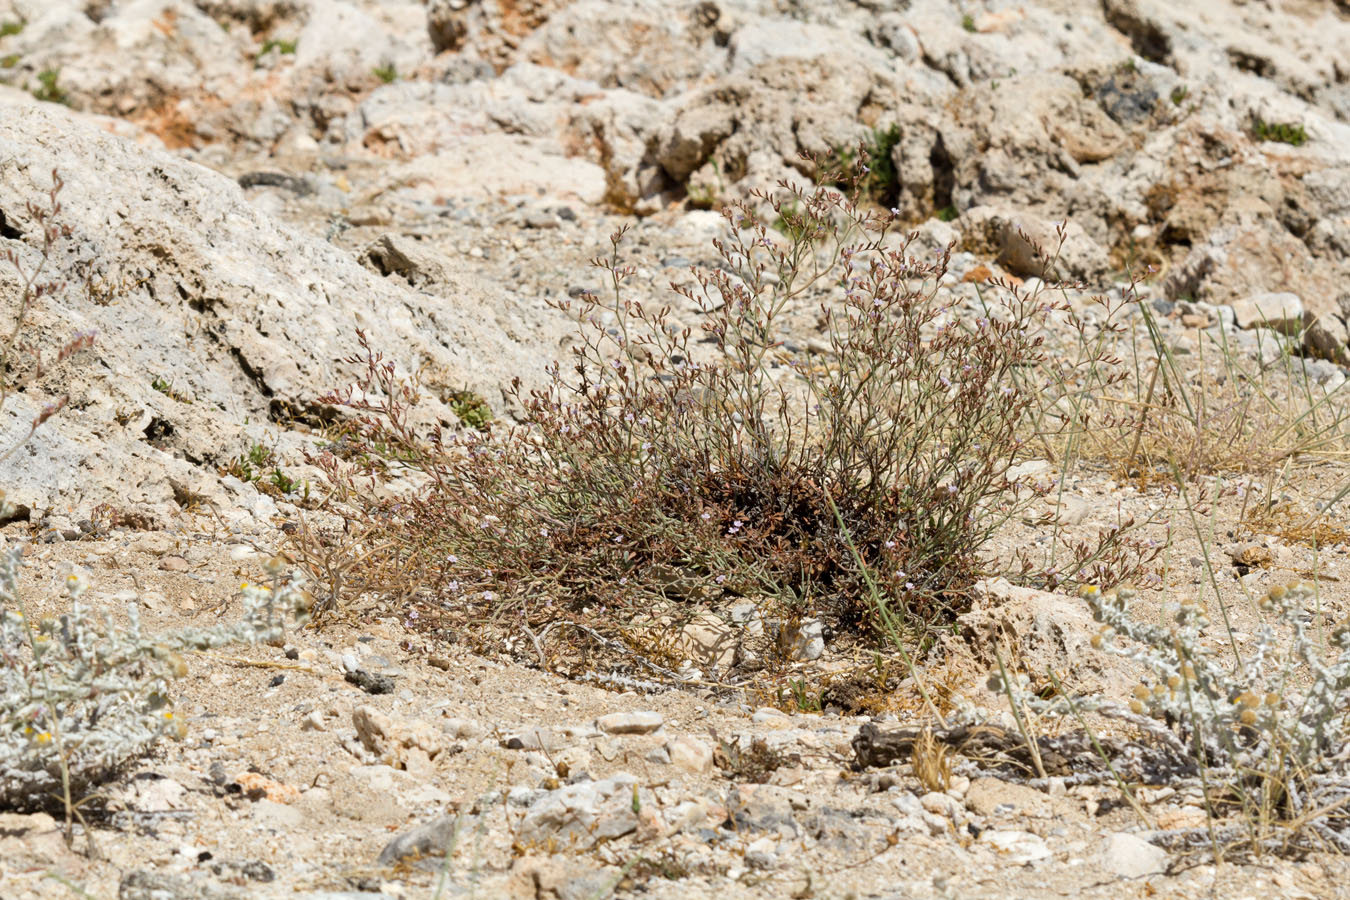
(80, 698)
(869, 169)
(165, 387)
(9, 61)
(48, 90)
(799, 697)
(1281, 132)
(948, 214)
(387, 73)
(250, 466)
(653, 469)
(9, 29)
(1265, 730)
(968, 23)
(1179, 94)
(471, 410)
(285, 47)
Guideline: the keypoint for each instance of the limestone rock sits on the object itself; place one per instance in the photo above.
(629, 722)
(400, 743)
(1280, 311)
(1130, 856)
(250, 318)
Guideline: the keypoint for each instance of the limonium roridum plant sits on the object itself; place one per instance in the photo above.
(1268, 723)
(81, 697)
(662, 463)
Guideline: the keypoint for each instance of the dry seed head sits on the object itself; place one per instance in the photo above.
(1141, 691)
(1248, 717)
(1137, 707)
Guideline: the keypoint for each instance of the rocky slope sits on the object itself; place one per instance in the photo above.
(249, 183)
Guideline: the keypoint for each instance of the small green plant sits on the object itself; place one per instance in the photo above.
(1179, 94)
(252, 468)
(472, 410)
(968, 23)
(285, 47)
(165, 387)
(1279, 132)
(249, 467)
(869, 168)
(948, 214)
(283, 482)
(8, 29)
(48, 90)
(387, 73)
(799, 697)
(258, 455)
(10, 61)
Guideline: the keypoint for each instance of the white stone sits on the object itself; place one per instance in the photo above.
(1282, 311)
(690, 754)
(1130, 856)
(630, 722)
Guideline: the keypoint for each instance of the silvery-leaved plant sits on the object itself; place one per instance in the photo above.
(82, 697)
(1269, 722)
